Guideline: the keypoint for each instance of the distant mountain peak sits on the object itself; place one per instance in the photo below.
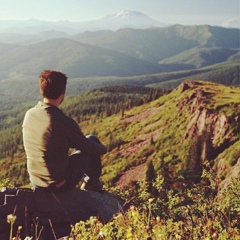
(129, 18)
(128, 14)
(231, 23)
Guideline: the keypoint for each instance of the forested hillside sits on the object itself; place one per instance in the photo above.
(227, 73)
(89, 105)
(141, 126)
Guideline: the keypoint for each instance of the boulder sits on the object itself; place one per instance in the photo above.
(51, 213)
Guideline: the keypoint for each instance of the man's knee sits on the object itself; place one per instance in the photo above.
(93, 138)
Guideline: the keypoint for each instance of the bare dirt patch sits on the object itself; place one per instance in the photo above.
(141, 116)
(138, 173)
(135, 174)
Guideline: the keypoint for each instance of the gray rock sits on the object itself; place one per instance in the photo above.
(43, 208)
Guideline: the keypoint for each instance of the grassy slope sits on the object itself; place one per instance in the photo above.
(155, 131)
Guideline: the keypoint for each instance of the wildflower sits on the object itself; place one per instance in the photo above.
(132, 207)
(18, 232)
(214, 235)
(150, 200)
(11, 218)
(101, 233)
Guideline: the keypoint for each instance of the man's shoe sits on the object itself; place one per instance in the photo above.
(97, 187)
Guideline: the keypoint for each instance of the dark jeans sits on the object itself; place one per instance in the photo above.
(81, 164)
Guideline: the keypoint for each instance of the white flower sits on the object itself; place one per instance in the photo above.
(150, 200)
(11, 218)
(101, 233)
(28, 238)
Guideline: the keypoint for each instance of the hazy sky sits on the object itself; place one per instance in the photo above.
(168, 11)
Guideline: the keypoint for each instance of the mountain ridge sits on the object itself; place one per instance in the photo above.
(121, 19)
(125, 18)
(176, 39)
(225, 73)
(126, 52)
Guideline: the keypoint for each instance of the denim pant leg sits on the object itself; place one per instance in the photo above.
(94, 170)
(80, 164)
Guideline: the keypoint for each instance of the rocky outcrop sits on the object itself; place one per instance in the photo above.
(204, 119)
(219, 130)
(234, 172)
(54, 211)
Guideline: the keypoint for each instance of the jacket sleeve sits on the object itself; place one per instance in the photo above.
(79, 141)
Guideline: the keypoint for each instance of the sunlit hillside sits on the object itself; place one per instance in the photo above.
(178, 132)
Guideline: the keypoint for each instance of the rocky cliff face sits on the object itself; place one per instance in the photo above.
(165, 130)
(217, 126)
(205, 119)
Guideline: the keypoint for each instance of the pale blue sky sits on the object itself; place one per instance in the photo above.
(168, 11)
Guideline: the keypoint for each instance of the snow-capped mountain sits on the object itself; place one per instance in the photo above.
(232, 23)
(132, 19)
(128, 14)
(123, 19)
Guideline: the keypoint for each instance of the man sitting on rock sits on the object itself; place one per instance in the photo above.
(47, 136)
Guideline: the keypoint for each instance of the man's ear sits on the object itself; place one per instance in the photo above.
(64, 91)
